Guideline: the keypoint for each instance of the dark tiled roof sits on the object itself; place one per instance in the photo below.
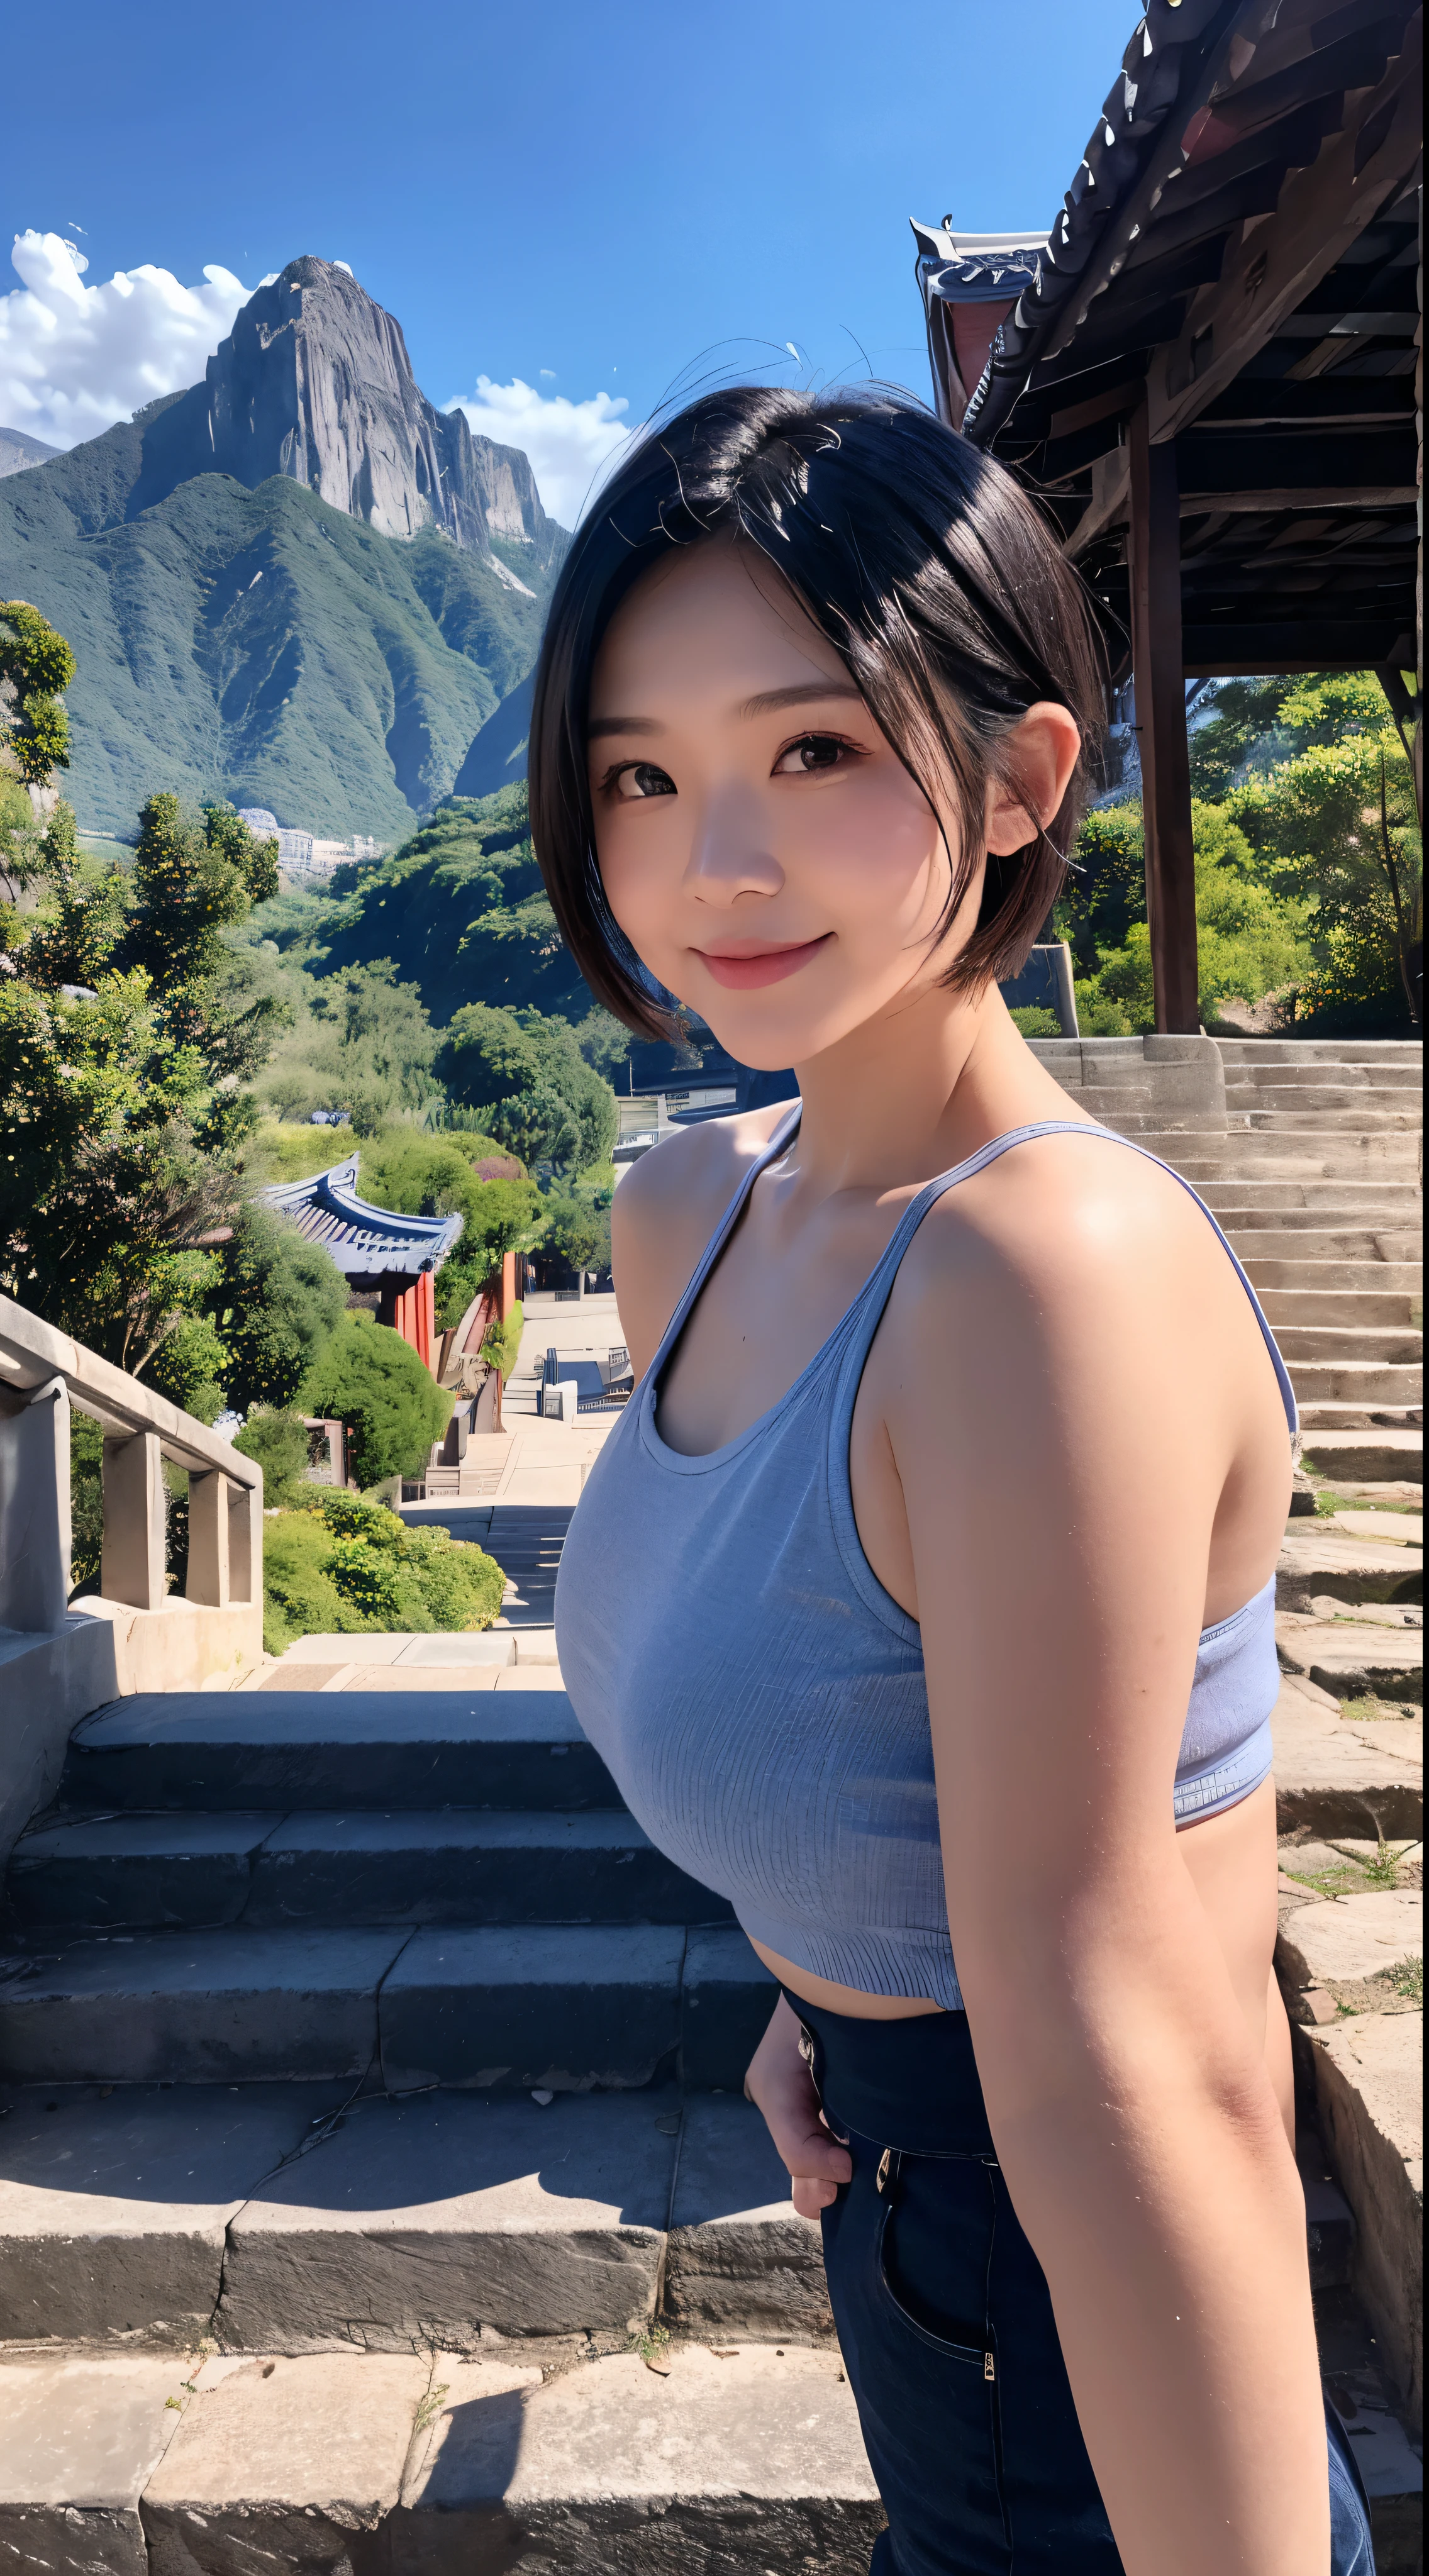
(1240, 242)
(365, 1242)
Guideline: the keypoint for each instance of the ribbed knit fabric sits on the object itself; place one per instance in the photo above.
(759, 1697)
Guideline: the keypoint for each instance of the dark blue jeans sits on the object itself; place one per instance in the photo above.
(946, 2325)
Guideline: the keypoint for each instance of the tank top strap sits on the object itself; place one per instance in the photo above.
(866, 1314)
(769, 1154)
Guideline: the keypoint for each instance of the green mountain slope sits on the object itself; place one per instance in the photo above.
(459, 909)
(258, 644)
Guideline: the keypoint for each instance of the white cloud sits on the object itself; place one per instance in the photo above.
(569, 443)
(74, 358)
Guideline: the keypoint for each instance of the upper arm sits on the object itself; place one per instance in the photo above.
(1061, 1563)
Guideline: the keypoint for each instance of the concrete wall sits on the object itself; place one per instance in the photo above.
(104, 1650)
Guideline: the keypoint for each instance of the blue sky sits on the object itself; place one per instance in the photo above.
(592, 202)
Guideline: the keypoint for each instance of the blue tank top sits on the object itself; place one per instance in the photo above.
(760, 1698)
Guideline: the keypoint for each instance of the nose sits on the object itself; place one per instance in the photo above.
(729, 854)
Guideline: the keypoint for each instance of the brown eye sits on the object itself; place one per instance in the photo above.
(642, 778)
(812, 751)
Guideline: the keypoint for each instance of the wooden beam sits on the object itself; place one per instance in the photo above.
(1323, 209)
(1155, 566)
(1290, 496)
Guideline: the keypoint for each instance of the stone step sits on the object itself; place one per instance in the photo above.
(1373, 1203)
(1365, 2077)
(1354, 1659)
(1398, 1279)
(1317, 1560)
(1358, 1309)
(279, 1751)
(488, 2006)
(1360, 1382)
(1368, 1457)
(1344, 1776)
(284, 2219)
(1329, 1087)
(1311, 1052)
(1252, 1157)
(738, 2458)
(449, 1865)
(1288, 1080)
(1302, 1235)
(1364, 1119)
(722, 2455)
(1394, 1345)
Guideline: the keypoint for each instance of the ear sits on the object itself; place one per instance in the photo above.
(1039, 758)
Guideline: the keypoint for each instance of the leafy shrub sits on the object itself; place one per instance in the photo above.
(1034, 1021)
(300, 1598)
(372, 1381)
(278, 1443)
(344, 1566)
(502, 1342)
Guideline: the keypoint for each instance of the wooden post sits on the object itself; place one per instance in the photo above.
(132, 1567)
(208, 1539)
(1160, 681)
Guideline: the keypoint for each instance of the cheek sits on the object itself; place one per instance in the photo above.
(641, 857)
(874, 852)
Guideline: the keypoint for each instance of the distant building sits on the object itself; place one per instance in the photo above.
(301, 854)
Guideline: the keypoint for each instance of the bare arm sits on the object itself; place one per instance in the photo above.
(1095, 1395)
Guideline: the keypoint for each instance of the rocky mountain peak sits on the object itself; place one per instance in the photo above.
(314, 382)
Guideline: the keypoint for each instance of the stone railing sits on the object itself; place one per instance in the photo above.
(58, 1660)
(43, 1373)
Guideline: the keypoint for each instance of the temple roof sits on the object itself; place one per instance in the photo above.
(1237, 250)
(365, 1242)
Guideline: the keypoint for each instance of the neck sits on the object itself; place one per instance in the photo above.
(913, 1091)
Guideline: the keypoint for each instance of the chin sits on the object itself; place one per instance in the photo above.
(766, 1040)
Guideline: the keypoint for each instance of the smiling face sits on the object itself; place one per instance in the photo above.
(760, 843)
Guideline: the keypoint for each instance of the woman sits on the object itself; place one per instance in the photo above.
(921, 1602)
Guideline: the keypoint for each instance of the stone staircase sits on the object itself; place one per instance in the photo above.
(375, 2179)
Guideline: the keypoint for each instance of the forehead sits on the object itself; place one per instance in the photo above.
(715, 621)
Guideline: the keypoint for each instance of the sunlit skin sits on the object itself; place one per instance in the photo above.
(1068, 1454)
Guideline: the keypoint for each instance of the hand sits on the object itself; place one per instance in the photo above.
(781, 2086)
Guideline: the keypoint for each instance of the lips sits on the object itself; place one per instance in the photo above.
(745, 971)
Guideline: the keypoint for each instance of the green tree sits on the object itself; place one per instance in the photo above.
(276, 1300)
(277, 1440)
(1250, 938)
(370, 1380)
(524, 1074)
(361, 1043)
(1336, 824)
(122, 1061)
(36, 667)
(577, 1233)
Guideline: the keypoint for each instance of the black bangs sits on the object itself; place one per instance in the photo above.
(924, 565)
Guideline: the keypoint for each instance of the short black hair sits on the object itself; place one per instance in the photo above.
(928, 569)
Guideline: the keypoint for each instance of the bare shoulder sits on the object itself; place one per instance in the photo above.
(1073, 1240)
(665, 1210)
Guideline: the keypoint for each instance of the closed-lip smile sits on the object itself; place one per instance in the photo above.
(743, 964)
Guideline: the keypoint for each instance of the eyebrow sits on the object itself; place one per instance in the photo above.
(768, 702)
